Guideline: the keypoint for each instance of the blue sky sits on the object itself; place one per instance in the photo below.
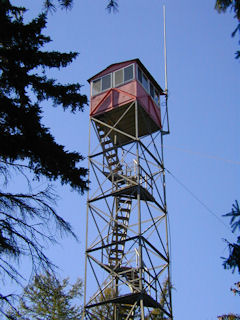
(203, 150)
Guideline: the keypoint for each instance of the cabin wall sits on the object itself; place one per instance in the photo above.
(122, 95)
(147, 103)
(113, 98)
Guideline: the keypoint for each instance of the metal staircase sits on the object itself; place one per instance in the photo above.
(119, 231)
(123, 204)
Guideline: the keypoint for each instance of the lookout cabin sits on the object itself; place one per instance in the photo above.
(118, 86)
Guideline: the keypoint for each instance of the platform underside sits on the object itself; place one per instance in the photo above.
(129, 300)
(131, 192)
(146, 125)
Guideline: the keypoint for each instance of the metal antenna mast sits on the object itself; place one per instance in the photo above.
(165, 68)
(127, 261)
(165, 47)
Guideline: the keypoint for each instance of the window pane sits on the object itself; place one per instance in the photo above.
(152, 90)
(118, 77)
(128, 73)
(156, 98)
(106, 82)
(145, 82)
(96, 87)
(140, 75)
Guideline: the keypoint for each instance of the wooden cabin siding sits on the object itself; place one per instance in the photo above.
(147, 103)
(125, 93)
(112, 98)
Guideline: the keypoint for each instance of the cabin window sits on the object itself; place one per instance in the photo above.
(154, 94)
(101, 84)
(145, 82)
(118, 77)
(157, 98)
(106, 82)
(139, 75)
(123, 75)
(128, 73)
(148, 86)
(152, 91)
(143, 79)
(96, 87)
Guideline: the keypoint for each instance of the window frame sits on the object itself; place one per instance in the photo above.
(100, 78)
(114, 78)
(120, 84)
(133, 75)
(109, 74)
(147, 81)
(148, 91)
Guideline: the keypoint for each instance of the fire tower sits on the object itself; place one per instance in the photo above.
(127, 271)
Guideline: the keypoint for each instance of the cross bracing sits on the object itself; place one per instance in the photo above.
(127, 254)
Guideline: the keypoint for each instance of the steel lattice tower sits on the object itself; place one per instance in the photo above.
(127, 267)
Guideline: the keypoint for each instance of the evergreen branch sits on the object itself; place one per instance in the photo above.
(112, 6)
(65, 95)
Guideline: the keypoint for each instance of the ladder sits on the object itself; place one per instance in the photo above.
(123, 204)
(119, 231)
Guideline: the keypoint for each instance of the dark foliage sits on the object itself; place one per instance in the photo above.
(27, 219)
(236, 288)
(233, 261)
(233, 5)
(47, 297)
(22, 65)
(112, 6)
(157, 314)
(51, 5)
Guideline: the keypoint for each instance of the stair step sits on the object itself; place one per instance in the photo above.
(110, 156)
(109, 149)
(116, 255)
(120, 237)
(124, 209)
(116, 250)
(132, 274)
(104, 142)
(117, 169)
(120, 226)
(125, 201)
(122, 218)
(113, 163)
(115, 258)
(115, 233)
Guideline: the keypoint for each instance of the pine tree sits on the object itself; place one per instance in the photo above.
(233, 261)
(157, 314)
(234, 6)
(27, 147)
(48, 298)
(23, 65)
(104, 311)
